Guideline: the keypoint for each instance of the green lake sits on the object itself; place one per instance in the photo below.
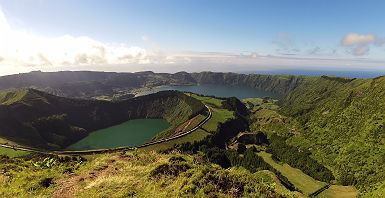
(130, 133)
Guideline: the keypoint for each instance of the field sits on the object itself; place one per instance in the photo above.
(213, 102)
(219, 115)
(335, 191)
(300, 180)
(253, 104)
(11, 152)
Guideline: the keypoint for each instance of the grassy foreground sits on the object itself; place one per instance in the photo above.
(133, 174)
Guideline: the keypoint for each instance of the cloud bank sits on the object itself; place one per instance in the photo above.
(19, 48)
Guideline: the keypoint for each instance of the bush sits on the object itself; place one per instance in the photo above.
(176, 159)
(169, 169)
(241, 148)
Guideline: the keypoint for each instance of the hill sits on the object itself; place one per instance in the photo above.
(341, 122)
(41, 120)
(281, 84)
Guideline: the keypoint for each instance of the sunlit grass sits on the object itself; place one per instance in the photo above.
(130, 174)
(300, 180)
(11, 152)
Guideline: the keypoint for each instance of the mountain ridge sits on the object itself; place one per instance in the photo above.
(42, 120)
(87, 84)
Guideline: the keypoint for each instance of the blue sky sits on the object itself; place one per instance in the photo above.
(211, 35)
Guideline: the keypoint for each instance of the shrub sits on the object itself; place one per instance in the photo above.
(169, 169)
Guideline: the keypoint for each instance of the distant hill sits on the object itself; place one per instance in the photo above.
(281, 84)
(87, 84)
(38, 119)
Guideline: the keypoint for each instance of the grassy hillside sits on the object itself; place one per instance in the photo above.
(134, 175)
(281, 84)
(341, 122)
(34, 118)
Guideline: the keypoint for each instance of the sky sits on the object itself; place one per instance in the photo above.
(191, 35)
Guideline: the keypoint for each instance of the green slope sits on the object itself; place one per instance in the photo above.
(282, 84)
(341, 122)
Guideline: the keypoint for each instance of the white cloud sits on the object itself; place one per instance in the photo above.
(360, 42)
(352, 39)
(361, 50)
(19, 48)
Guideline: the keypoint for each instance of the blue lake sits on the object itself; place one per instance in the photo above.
(219, 91)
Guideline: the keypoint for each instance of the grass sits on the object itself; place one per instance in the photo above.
(300, 180)
(23, 95)
(213, 102)
(129, 174)
(269, 121)
(253, 104)
(220, 115)
(104, 98)
(9, 97)
(11, 152)
(335, 191)
(194, 136)
(182, 127)
(195, 122)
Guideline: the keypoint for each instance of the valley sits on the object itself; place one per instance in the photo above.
(291, 122)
